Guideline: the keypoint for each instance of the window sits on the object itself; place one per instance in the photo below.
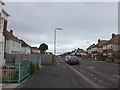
(111, 46)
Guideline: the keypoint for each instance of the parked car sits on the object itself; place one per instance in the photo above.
(73, 60)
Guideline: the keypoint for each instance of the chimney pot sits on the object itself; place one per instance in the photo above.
(11, 31)
(98, 40)
(113, 35)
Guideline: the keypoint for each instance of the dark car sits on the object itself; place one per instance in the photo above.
(73, 60)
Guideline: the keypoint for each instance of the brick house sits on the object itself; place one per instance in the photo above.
(112, 48)
(97, 50)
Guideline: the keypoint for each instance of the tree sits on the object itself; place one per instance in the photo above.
(43, 47)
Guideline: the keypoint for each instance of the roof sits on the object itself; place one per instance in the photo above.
(80, 51)
(2, 2)
(91, 46)
(5, 12)
(101, 43)
(8, 35)
(34, 48)
(24, 44)
(115, 40)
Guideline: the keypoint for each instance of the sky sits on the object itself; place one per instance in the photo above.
(81, 22)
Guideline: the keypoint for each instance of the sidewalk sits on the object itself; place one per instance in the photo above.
(15, 85)
(10, 85)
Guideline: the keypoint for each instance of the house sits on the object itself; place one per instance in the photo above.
(112, 48)
(49, 53)
(3, 26)
(73, 52)
(12, 44)
(98, 48)
(89, 50)
(25, 48)
(35, 50)
(80, 52)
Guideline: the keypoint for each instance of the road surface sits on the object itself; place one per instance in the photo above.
(89, 74)
(55, 76)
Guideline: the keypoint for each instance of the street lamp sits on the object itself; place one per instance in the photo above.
(58, 28)
(89, 43)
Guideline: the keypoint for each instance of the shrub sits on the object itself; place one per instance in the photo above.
(32, 68)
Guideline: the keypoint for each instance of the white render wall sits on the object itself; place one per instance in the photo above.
(1, 49)
(2, 61)
(13, 47)
(26, 50)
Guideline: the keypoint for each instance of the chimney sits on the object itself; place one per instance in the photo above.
(98, 40)
(11, 31)
(113, 35)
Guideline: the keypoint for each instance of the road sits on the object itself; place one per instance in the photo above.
(86, 75)
(55, 76)
(104, 74)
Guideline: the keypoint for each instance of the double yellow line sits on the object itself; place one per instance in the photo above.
(82, 76)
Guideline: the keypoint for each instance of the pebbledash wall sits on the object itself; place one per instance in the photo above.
(16, 58)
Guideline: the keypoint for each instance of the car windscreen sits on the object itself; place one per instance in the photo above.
(73, 57)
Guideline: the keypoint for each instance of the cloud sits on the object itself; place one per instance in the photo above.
(81, 22)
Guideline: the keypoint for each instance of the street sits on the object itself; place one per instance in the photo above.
(59, 75)
(103, 74)
(55, 76)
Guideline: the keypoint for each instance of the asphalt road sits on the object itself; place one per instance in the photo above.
(60, 75)
(55, 76)
(105, 75)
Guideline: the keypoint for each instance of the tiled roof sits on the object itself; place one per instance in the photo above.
(101, 43)
(91, 46)
(115, 40)
(8, 35)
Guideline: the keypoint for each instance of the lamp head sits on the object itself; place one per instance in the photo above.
(58, 28)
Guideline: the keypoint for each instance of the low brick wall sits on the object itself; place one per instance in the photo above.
(16, 58)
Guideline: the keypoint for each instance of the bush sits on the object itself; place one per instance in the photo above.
(16, 74)
(32, 68)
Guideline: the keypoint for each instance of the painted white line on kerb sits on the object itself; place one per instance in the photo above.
(82, 76)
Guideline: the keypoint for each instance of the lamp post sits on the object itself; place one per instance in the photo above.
(55, 39)
(89, 43)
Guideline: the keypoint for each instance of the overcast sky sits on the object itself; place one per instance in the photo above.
(82, 22)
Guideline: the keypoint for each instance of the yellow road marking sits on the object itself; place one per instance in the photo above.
(85, 78)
